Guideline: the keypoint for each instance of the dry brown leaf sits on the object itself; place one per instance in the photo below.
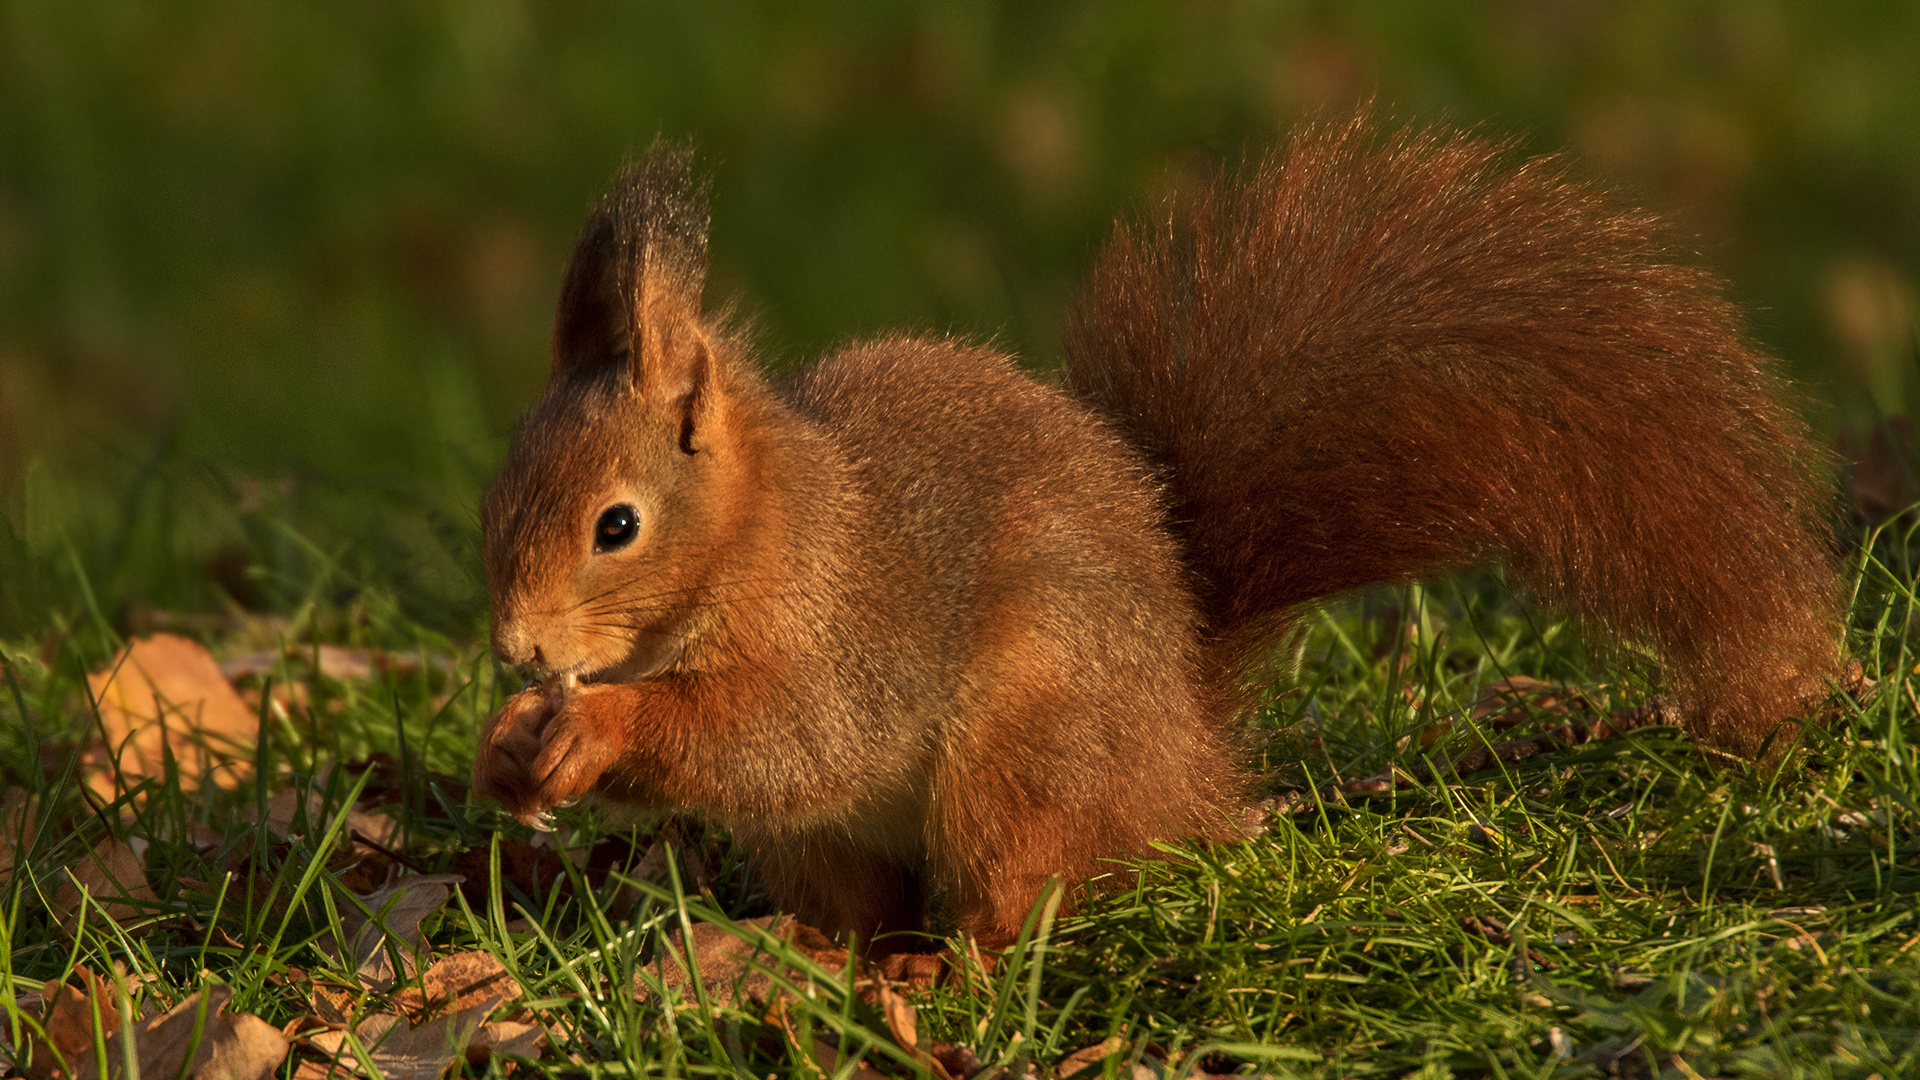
(531, 870)
(1512, 701)
(232, 1046)
(1091, 1059)
(726, 972)
(458, 982)
(283, 811)
(200, 838)
(901, 1019)
(903, 1024)
(829, 1058)
(332, 1005)
(297, 1029)
(16, 829)
(399, 909)
(507, 1038)
(959, 1062)
(70, 1016)
(650, 866)
(165, 693)
(115, 876)
(402, 1051)
(341, 662)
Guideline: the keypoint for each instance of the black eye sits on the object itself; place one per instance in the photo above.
(617, 527)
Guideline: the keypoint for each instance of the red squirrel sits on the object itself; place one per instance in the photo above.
(920, 628)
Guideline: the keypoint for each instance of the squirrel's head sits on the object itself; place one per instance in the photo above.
(604, 525)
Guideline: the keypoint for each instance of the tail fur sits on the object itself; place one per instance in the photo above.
(1376, 358)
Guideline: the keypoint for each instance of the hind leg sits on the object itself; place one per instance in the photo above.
(1059, 767)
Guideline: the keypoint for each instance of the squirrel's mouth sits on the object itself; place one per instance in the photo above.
(638, 666)
(651, 656)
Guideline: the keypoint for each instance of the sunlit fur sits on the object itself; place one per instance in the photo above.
(923, 630)
(1378, 359)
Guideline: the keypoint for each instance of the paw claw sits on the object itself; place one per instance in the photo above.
(536, 755)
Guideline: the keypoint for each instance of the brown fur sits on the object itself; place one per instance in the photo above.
(914, 626)
(1374, 360)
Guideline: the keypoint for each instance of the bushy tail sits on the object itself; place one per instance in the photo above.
(1376, 358)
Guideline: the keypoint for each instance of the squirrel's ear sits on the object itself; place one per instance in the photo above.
(631, 293)
(591, 325)
(673, 371)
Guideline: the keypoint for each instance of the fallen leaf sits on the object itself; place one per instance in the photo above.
(732, 971)
(115, 876)
(458, 982)
(960, 1062)
(343, 663)
(507, 1038)
(283, 812)
(288, 700)
(398, 910)
(165, 694)
(829, 1057)
(331, 1004)
(68, 1022)
(1091, 1057)
(248, 664)
(652, 867)
(232, 1046)
(917, 971)
(1512, 701)
(339, 662)
(531, 870)
(297, 1029)
(902, 1022)
(402, 1051)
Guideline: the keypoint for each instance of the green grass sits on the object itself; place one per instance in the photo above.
(1628, 907)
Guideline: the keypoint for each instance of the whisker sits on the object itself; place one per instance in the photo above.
(622, 632)
(589, 602)
(661, 610)
(677, 592)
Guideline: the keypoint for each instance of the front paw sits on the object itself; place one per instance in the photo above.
(543, 749)
(508, 746)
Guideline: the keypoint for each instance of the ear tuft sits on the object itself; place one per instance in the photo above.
(638, 267)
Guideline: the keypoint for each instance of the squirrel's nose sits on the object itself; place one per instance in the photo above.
(513, 645)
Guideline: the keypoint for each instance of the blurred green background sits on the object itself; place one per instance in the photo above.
(275, 278)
